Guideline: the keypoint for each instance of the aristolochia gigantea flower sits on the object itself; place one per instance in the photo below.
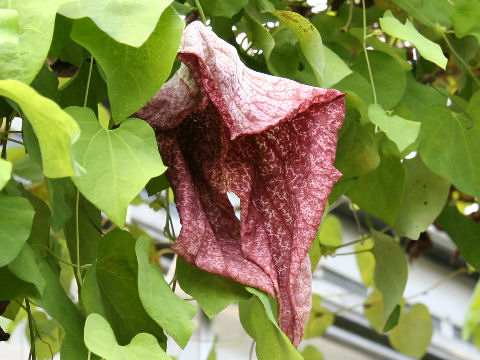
(222, 127)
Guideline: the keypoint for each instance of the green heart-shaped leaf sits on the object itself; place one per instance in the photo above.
(127, 21)
(133, 75)
(100, 339)
(116, 163)
(5, 172)
(55, 129)
(15, 225)
(427, 48)
(172, 313)
(30, 25)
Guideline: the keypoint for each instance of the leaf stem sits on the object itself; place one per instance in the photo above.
(353, 252)
(357, 222)
(31, 328)
(251, 350)
(59, 259)
(349, 19)
(77, 234)
(449, 277)
(348, 243)
(13, 140)
(336, 204)
(347, 309)
(364, 43)
(161, 253)
(37, 334)
(8, 122)
(168, 229)
(77, 200)
(454, 52)
(200, 11)
(88, 82)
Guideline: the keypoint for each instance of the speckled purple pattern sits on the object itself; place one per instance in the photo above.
(271, 141)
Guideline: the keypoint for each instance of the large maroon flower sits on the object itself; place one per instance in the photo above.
(222, 127)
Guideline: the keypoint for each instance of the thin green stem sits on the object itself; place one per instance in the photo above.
(252, 347)
(59, 259)
(364, 43)
(8, 122)
(13, 140)
(348, 243)
(347, 309)
(31, 328)
(464, 63)
(200, 11)
(172, 228)
(88, 82)
(166, 228)
(161, 253)
(77, 200)
(336, 204)
(342, 294)
(353, 252)
(165, 251)
(21, 304)
(357, 222)
(77, 234)
(349, 19)
(37, 334)
(361, 239)
(449, 277)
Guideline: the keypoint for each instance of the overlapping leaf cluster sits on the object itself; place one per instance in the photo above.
(409, 153)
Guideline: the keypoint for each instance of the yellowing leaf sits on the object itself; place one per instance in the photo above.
(319, 320)
(373, 308)
(472, 316)
(423, 200)
(309, 39)
(311, 353)
(365, 261)
(414, 331)
(391, 271)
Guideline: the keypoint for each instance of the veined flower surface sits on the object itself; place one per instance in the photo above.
(222, 127)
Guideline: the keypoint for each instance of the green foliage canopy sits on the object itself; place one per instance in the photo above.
(75, 72)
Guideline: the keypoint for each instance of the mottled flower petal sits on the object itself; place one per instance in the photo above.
(222, 127)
